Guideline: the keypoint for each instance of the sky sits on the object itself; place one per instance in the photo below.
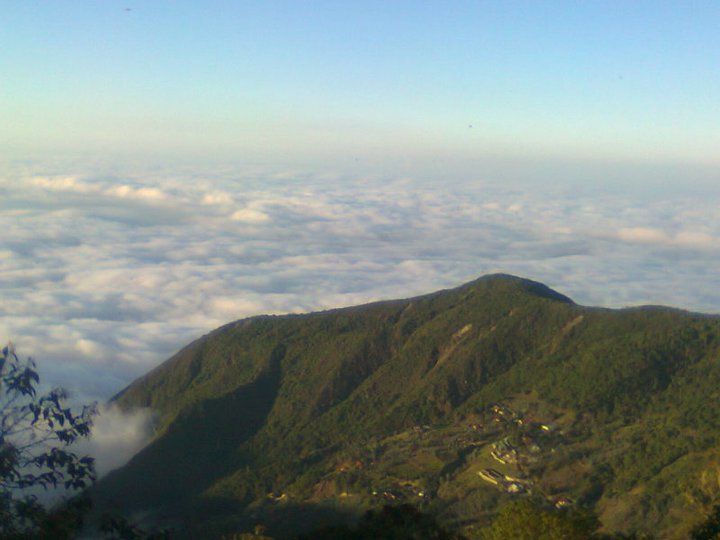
(373, 80)
(168, 167)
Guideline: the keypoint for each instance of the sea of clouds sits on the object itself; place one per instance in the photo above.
(103, 275)
(105, 271)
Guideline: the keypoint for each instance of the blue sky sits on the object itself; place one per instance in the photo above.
(601, 81)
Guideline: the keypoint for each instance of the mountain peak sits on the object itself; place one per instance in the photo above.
(352, 407)
(505, 282)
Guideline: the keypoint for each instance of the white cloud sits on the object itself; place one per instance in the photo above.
(102, 276)
(643, 235)
(89, 348)
(116, 436)
(649, 235)
(228, 309)
(514, 208)
(63, 183)
(217, 197)
(130, 192)
(696, 238)
(250, 215)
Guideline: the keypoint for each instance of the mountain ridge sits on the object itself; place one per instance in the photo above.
(273, 403)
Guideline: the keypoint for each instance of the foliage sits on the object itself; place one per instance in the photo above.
(708, 529)
(401, 522)
(277, 405)
(119, 528)
(35, 433)
(523, 520)
(259, 533)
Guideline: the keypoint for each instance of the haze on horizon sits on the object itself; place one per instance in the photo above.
(169, 167)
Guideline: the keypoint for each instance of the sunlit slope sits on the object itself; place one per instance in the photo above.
(274, 405)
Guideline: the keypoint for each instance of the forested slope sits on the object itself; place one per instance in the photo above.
(326, 414)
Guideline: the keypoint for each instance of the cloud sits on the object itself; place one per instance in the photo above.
(696, 239)
(642, 235)
(130, 192)
(648, 235)
(217, 197)
(89, 348)
(104, 273)
(249, 215)
(73, 184)
(515, 208)
(116, 436)
(64, 183)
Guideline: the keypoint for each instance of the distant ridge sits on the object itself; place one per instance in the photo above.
(300, 420)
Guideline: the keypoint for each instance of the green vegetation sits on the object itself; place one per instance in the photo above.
(401, 522)
(522, 520)
(708, 529)
(35, 435)
(315, 419)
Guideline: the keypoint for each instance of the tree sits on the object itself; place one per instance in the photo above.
(119, 528)
(36, 432)
(523, 520)
(708, 529)
(401, 522)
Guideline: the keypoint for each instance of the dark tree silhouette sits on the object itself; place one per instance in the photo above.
(401, 522)
(36, 432)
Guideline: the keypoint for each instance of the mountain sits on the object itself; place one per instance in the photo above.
(305, 420)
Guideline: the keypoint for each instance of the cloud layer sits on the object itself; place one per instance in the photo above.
(103, 276)
(116, 437)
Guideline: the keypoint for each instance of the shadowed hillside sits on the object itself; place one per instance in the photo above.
(408, 400)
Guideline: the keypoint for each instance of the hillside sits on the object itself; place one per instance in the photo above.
(313, 418)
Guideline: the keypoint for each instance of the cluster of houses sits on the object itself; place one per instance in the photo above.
(504, 452)
(502, 414)
(399, 492)
(520, 441)
(529, 439)
(504, 481)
